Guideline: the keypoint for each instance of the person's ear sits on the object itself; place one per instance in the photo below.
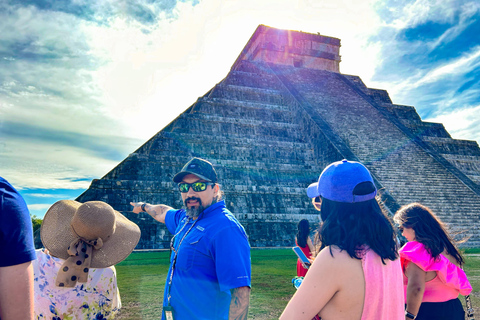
(216, 187)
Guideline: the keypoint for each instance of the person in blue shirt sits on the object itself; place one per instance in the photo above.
(16, 254)
(210, 271)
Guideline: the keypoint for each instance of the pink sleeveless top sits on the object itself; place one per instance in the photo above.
(383, 288)
(450, 280)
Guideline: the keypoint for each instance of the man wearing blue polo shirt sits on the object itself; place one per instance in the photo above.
(16, 254)
(210, 272)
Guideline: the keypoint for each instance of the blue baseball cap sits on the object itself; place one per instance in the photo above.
(344, 181)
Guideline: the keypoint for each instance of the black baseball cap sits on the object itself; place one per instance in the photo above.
(199, 167)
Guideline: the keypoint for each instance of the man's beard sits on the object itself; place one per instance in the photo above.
(193, 211)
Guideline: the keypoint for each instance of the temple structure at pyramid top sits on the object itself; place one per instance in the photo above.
(280, 116)
(292, 48)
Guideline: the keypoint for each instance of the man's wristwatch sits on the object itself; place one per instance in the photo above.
(409, 315)
(143, 207)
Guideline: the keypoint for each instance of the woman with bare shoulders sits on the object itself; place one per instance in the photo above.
(357, 273)
(431, 265)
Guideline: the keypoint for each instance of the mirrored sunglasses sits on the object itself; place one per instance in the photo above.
(196, 186)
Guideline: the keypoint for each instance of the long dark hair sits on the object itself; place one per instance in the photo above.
(303, 232)
(429, 230)
(351, 226)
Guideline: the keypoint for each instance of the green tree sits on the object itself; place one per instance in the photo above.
(36, 222)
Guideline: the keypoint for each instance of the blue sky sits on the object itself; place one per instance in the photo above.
(85, 83)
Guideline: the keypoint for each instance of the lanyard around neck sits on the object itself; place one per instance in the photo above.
(175, 252)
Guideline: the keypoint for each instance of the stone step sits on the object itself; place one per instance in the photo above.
(207, 117)
(246, 104)
(472, 159)
(255, 80)
(406, 114)
(253, 67)
(304, 168)
(474, 177)
(255, 154)
(469, 165)
(240, 188)
(238, 160)
(379, 95)
(277, 217)
(234, 160)
(357, 81)
(428, 129)
(250, 94)
(445, 180)
(219, 147)
(419, 178)
(242, 141)
(237, 128)
(447, 145)
(237, 109)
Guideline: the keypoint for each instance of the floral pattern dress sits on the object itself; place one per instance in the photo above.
(97, 299)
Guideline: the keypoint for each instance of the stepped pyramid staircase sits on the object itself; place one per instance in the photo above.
(280, 116)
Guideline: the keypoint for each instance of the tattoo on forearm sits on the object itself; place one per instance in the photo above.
(158, 211)
(239, 303)
(153, 212)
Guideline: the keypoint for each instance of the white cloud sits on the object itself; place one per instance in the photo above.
(404, 88)
(467, 10)
(461, 123)
(455, 67)
(47, 195)
(49, 166)
(38, 207)
(413, 13)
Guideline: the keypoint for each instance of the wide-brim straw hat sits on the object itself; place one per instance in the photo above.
(67, 221)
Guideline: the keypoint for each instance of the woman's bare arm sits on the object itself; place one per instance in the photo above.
(319, 286)
(415, 287)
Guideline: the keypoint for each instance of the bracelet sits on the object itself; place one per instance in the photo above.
(409, 315)
(143, 207)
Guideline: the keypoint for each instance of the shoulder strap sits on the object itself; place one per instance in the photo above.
(468, 304)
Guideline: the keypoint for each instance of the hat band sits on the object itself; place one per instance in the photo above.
(96, 243)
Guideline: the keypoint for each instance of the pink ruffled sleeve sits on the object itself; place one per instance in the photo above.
(447, 272)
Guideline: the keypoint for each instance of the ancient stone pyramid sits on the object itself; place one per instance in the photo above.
(279, 117)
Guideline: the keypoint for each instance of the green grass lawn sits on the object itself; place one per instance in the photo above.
(141, 279)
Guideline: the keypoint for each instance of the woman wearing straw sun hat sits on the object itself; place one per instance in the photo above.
(74, 274)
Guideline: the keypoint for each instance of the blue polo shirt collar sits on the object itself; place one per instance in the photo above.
(214, 207)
